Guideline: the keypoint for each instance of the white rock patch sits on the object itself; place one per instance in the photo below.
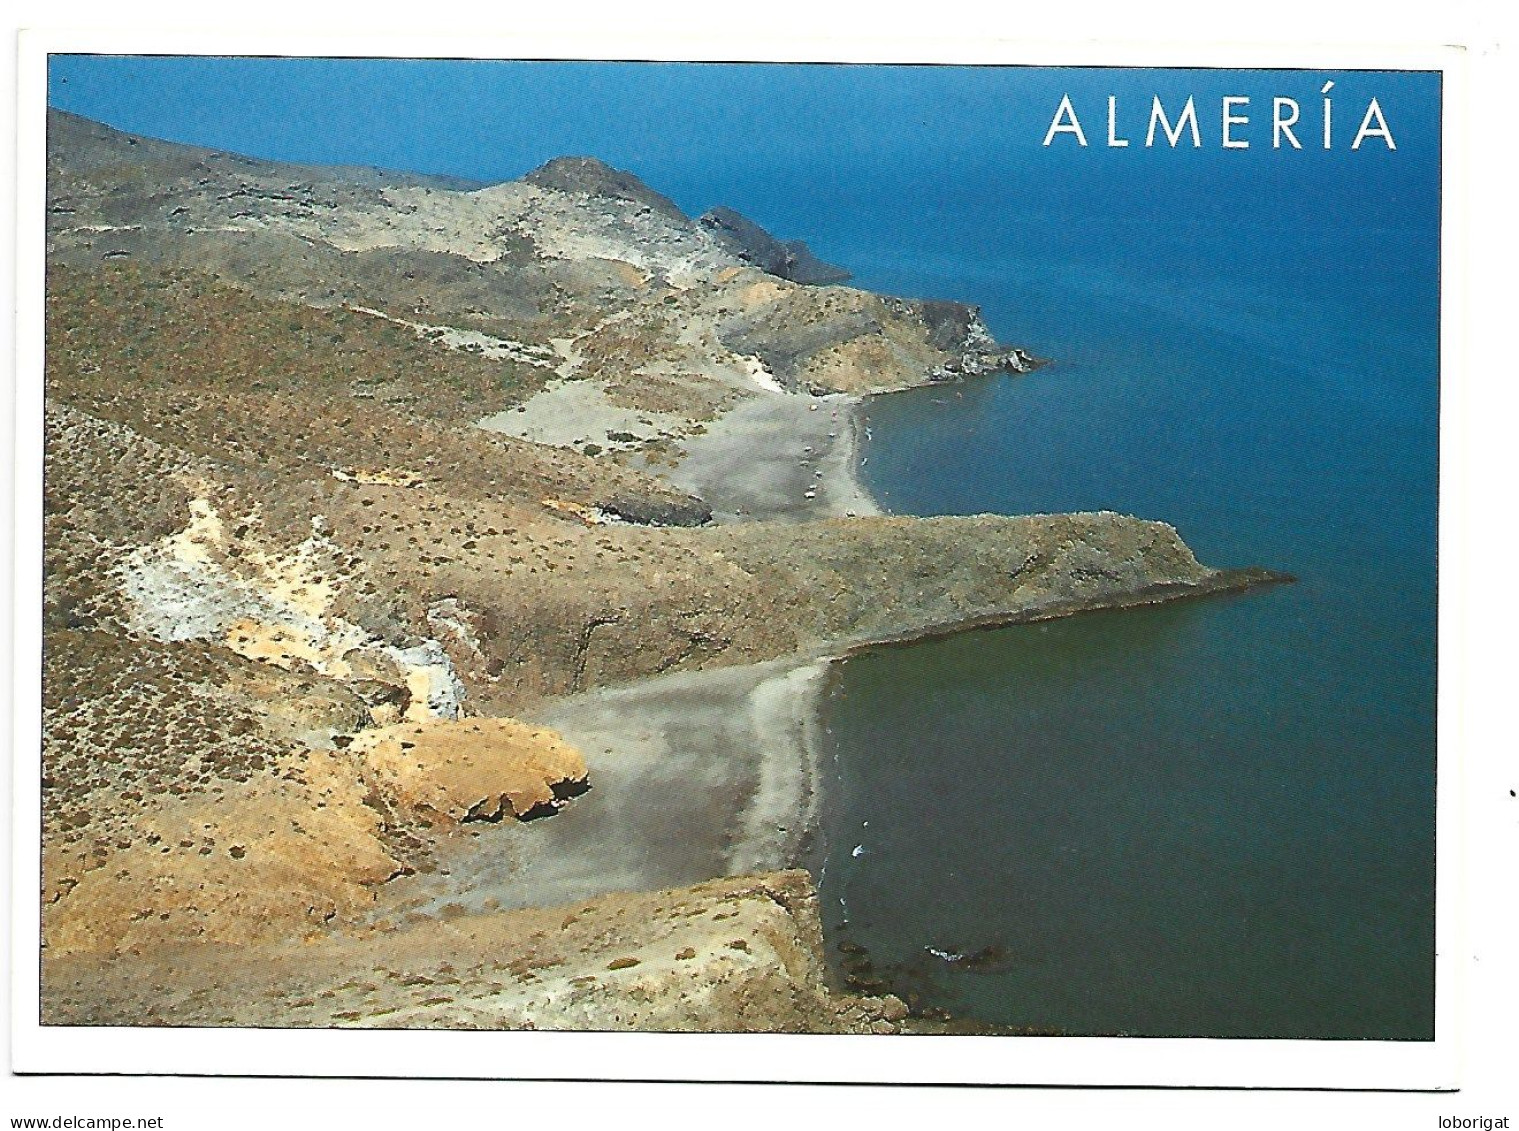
(277, 610)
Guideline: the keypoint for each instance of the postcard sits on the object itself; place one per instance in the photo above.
(916, 568)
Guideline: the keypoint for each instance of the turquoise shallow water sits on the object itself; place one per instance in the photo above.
(1211, 818)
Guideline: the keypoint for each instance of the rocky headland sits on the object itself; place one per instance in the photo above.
(386, 514)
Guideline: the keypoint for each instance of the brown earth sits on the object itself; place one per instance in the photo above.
(472, 769)
(732, 955)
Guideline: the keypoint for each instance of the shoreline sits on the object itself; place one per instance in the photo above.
(779, 457)
(695, 776)
(762, 722)
(699, 775)
(1219, 583)
(717, 772)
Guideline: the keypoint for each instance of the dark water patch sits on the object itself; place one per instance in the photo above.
(1061, 826)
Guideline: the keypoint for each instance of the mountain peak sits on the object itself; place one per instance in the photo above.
(595, 177)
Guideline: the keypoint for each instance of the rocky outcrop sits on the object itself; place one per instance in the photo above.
(556, 256)
(625, 603)
(862, 579)
(840, 340)
(645, 511)
(733, 955)
(958, 330)
(594, 178)
(787, 259)
(472, 769)
(194, 795)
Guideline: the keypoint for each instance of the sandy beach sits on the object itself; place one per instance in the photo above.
(779, 457)
(775, 457)
(694, 775)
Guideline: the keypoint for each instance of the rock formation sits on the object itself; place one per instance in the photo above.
(787, 259)
(732, 955)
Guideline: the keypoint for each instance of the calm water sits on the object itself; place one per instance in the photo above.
(1210, 818)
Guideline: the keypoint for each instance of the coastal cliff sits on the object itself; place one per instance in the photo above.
(353, 477)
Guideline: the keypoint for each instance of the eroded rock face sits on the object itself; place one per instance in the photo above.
(202, 686)
(273, 605)
(194, 795)
(789, 259)
(473, 769)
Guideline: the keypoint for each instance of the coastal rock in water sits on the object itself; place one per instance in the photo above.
(824, 340)
(787, 259)
(958, 329)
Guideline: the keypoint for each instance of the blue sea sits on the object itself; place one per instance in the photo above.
(1213, 818)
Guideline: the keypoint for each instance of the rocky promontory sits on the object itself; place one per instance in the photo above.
(740, 955)
(788, 259)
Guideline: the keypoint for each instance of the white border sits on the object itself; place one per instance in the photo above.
(1209, 1063)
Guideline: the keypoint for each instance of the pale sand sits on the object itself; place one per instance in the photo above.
(572, 413)
(759, 461)
(694, 775)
